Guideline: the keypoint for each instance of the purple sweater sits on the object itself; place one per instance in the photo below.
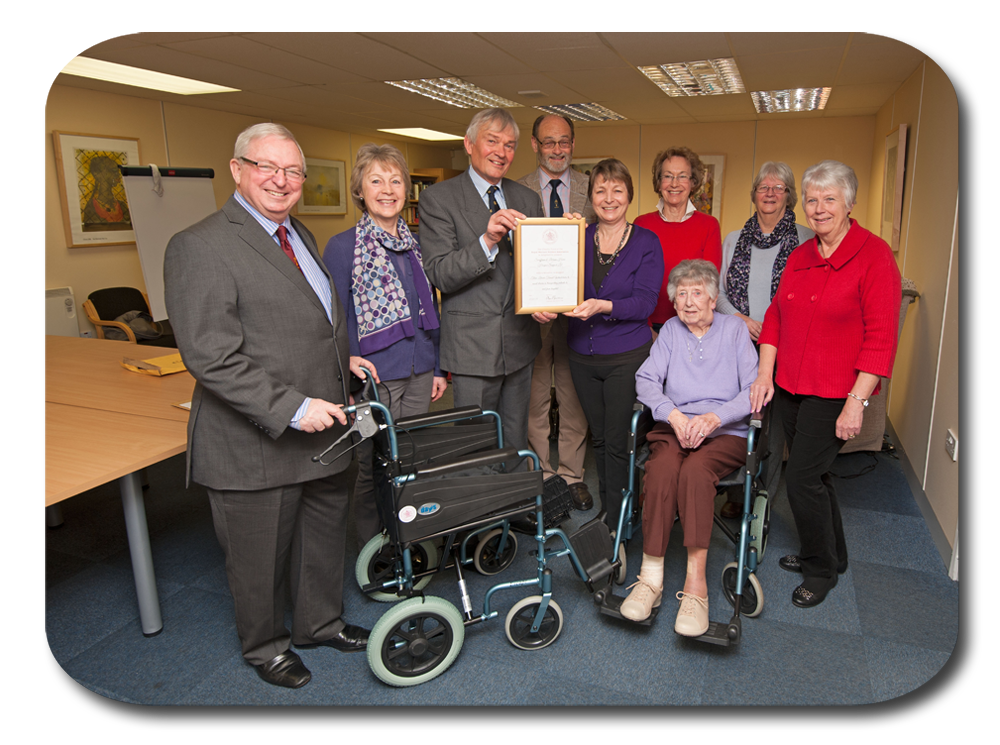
(698, 376)
(632, 285)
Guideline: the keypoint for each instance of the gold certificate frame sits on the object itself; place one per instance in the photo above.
(548, 264)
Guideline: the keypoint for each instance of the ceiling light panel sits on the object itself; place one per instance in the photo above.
(793, 99)
(582, 112)
(423, 134)
(454, 91)
(709, 77)
(112, 72)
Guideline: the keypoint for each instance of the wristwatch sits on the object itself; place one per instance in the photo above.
(864, 401)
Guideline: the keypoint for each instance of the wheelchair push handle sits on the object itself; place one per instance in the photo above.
(364, 424)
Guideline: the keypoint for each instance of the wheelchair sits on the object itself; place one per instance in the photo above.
(438, 481)
(739, 580)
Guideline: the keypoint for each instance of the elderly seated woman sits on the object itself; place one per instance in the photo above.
(696, 382)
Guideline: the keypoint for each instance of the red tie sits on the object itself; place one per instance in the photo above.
(286, 246)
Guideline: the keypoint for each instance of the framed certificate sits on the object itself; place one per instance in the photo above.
(548, 264)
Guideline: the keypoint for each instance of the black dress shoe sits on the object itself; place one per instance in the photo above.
(284, 670)
(581, 496)
(805, 598)
(348, 639)
(792, 563)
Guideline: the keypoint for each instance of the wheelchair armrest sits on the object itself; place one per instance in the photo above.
(440, 417)
(477, 460)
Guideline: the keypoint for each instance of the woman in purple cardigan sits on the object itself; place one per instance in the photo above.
(696, 383)
(391, 319)
(609, 336)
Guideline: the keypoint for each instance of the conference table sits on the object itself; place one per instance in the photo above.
(103, 422)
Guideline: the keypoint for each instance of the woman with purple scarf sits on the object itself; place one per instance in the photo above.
(391, 318)
(752, 262)
(696, 383)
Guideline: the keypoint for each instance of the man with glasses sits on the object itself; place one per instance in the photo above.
(262, 332)
(562, 190)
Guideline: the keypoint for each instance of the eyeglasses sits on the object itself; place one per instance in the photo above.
(778, 190)
(551, 144)
(270, 170)
(682, 178)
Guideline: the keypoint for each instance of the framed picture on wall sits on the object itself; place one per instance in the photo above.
(94, 205)
(892, 186)
(583, 165)
(324, 191)
(709, 197)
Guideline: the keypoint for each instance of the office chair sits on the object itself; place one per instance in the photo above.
(112, 302)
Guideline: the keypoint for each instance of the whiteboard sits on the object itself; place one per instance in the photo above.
(186, 198)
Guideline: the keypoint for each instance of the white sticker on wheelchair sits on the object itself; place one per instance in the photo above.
(408, 514)
(429, 508)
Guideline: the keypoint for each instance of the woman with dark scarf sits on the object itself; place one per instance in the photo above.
(391, 318)
(752, 262)
(754, 258)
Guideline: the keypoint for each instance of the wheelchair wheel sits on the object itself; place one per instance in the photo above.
(752, 598)
(415, 641)
(522, 615)
(487, 559)
(761, 524)
(376, 563)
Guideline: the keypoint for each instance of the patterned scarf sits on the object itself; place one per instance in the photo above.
(380, 303)
(738, 275)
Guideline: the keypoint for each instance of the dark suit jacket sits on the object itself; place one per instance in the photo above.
(480, 333)
(578, 184)
(257, 341)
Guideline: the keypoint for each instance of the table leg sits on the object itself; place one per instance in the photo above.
(142, 557)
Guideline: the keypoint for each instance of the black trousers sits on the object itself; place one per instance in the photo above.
(810, 425)
(605, 385)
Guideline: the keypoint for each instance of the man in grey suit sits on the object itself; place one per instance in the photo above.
(562, 191)
(468, 256)
(262, 332)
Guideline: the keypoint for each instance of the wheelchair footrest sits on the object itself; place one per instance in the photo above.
(611, 605)
(593, 546)
(718, 634)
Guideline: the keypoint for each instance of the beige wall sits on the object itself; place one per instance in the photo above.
(923, 397)
(180, 136)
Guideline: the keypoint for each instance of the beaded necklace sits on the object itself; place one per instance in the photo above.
(597, 245)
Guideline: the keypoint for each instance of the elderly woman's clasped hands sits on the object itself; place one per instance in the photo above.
(693, 431)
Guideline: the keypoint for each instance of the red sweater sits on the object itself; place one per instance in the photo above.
(698, 237)
(833, 318)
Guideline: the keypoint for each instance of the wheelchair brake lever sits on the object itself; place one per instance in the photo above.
(364, 424)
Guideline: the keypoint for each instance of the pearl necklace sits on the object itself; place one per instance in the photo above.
(597, 245)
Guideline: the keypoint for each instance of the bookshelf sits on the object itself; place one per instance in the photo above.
(420, 179)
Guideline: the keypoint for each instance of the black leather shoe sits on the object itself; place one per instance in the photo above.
(804, 598)
(792, 563)
(581, 496)
(284, 670)
(348, 639)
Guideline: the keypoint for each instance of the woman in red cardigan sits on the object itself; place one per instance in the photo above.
(684, 232)
(833, 323)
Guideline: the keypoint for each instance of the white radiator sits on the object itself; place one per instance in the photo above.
(60, 312)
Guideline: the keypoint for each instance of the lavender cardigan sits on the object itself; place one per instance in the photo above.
(632, 285)
(698, 376)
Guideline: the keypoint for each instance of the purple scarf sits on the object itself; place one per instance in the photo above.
(380, 303)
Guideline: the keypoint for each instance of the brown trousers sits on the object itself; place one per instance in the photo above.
(680, 481)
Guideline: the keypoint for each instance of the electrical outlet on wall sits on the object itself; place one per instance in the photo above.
(951, 445)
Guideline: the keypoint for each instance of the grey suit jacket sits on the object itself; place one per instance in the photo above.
(257, 340)
(480, 333)
(578, 201)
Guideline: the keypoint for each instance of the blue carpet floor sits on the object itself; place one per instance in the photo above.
(889, 626)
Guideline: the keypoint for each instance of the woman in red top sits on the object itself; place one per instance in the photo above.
(833, 323)
(684, 232)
